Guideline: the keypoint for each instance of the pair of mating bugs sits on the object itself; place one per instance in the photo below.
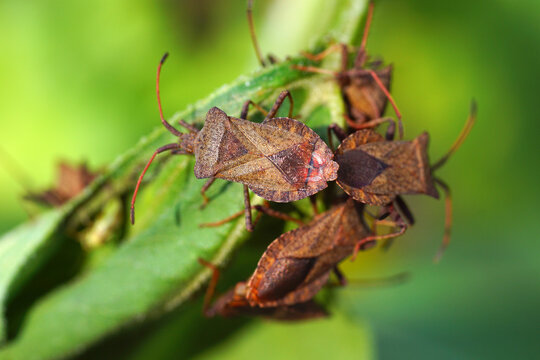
(283, 160)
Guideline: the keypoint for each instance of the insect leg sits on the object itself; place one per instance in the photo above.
(350, 122)
(332, 48)
(180, 152)
(279, 101)
(261, 209)
(236, 215)
(401, 205)
(313, 201)
(338, 131)
(402, 228)
(314, 69)
(329, 50)
(339, 274)
(390, 132)
(211, 286)
(277, 214)
(203, 191)
(247, 210)
(188, 126)
(245, 109)
(447, 221)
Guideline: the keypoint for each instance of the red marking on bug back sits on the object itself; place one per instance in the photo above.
(320, 169)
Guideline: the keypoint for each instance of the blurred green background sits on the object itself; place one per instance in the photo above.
(78, 84)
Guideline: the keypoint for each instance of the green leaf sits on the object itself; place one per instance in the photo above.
(29, 246)
(156, 269)
(21, 252)
(319, 339)
(337, 336)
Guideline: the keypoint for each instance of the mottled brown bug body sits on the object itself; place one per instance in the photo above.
(375, 171)
(281, 159)
(364, 99)
(297, 264)
(364, 85)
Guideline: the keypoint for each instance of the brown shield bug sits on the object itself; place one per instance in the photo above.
(297, 264)
(364, 87)
(280, 159)
(375, 171)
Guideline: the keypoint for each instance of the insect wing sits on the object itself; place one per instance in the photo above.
(281, 160)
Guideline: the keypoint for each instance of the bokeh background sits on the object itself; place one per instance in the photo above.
(77, 83)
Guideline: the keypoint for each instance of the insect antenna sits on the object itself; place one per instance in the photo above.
(168, 147)
(390, 98)
(252, 32)
(230, 218)
(460, 139)
(402, 206)
(361, 56)
(169, 127)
